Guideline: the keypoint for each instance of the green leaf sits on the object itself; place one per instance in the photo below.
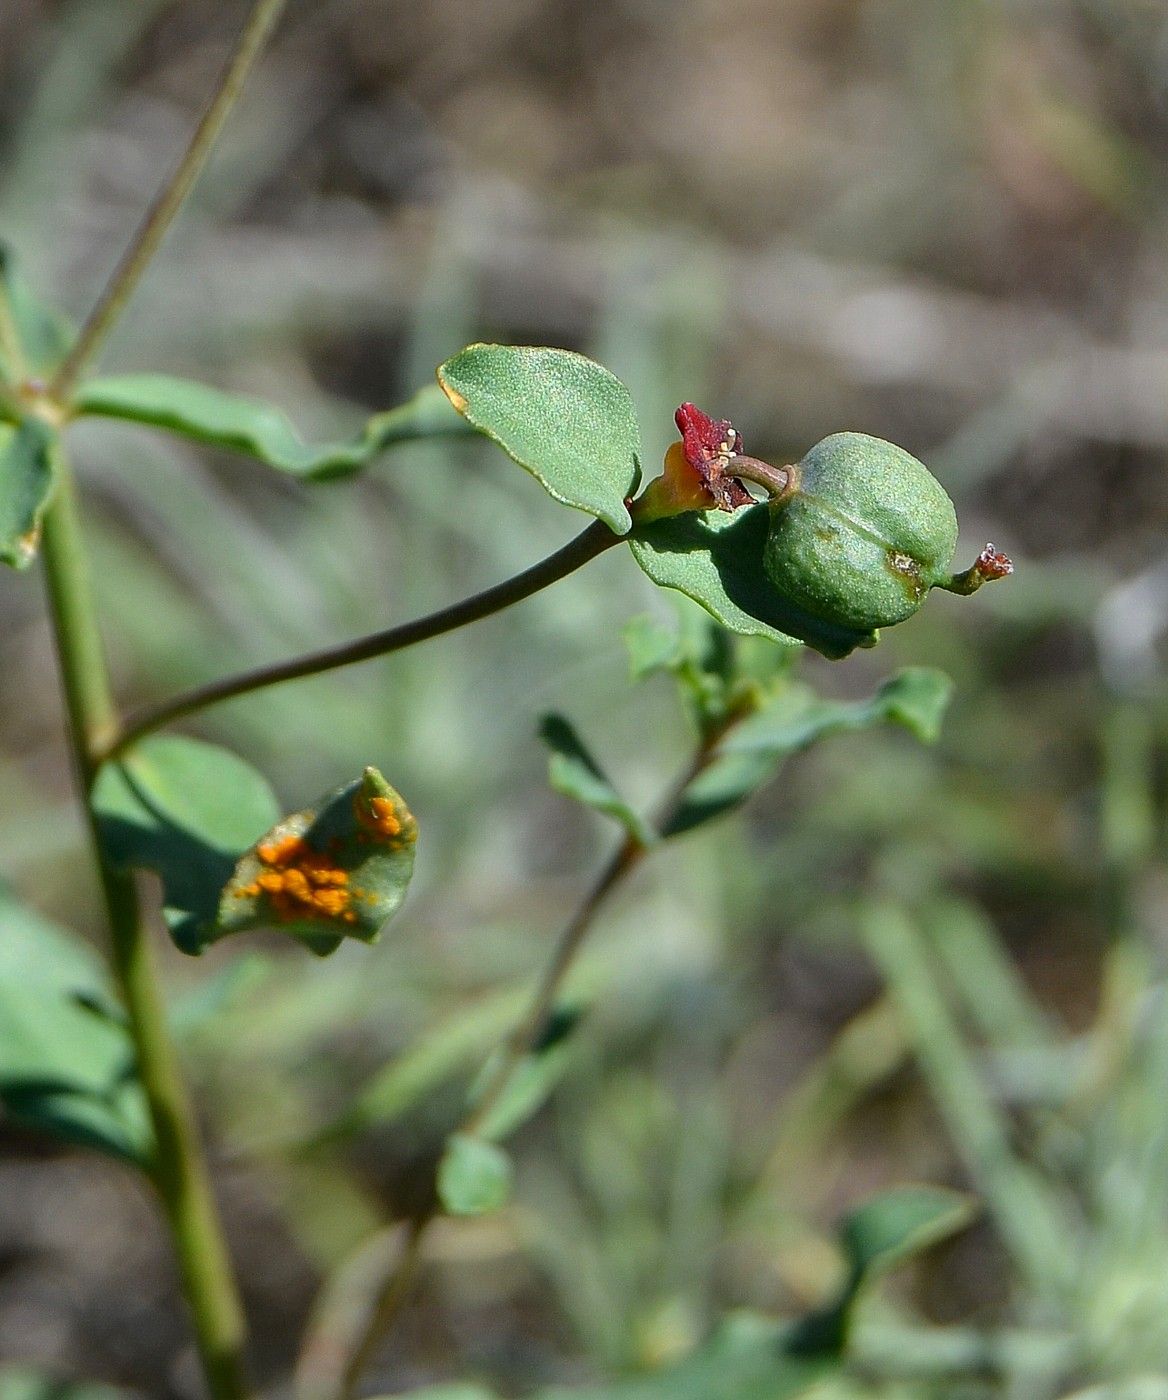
(28, 1383)
(258, 429)
(749, 756)
(185, 810)
(562, 417)
(66, 1064)
(876, 1237)
(574, 772)
(474, 1176)
(26, 483)
(532, 1080)
(715, 558)
(43, 333)
(337, 869)
(897, 1224)
(651, 646)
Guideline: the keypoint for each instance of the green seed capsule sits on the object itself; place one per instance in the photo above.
(857, 540)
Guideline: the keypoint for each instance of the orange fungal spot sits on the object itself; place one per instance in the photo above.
(378, 818)
(299, 882)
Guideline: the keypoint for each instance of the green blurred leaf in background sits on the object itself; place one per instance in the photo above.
(66, 1058)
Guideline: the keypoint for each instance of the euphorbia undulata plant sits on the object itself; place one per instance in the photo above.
(823, 552)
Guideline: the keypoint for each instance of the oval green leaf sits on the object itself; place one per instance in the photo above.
(561, 416)
(185, 810)
(338, 869)
(474, 1176)
(897, 1224)
(259, 429)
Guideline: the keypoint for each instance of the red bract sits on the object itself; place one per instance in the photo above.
(709, 443)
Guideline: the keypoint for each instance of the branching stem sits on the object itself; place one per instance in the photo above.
(395, 1290)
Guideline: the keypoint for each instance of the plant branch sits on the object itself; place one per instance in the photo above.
(587, 545)
(168, 202)
(177, 1167)
(396, 1288)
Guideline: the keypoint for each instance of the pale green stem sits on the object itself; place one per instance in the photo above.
(177, 1168)
(169, 201)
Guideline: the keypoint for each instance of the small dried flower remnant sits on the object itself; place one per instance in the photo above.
(705, 470)
(990, 564)
(708, 445)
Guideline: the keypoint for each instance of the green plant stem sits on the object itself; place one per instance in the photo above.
(395, 1290)
(587, 545)
(168, 202)
(178, 1169)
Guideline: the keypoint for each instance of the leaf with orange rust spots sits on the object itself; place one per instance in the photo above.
(338, 869)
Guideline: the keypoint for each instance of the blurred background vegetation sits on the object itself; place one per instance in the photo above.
(942, 223)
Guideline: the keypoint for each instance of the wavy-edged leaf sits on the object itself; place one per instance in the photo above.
(26, 483)
(474, 1175)
(561, 416)
(749, 756)
(185, 810)
(573, 771)
(915, 698)
(42, 331)
(66, 1058)
(715, 558)
(259, 429)
(338, 869)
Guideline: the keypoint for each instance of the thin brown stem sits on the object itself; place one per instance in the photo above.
(396, 1289)
(168, 202)
(587, 545)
